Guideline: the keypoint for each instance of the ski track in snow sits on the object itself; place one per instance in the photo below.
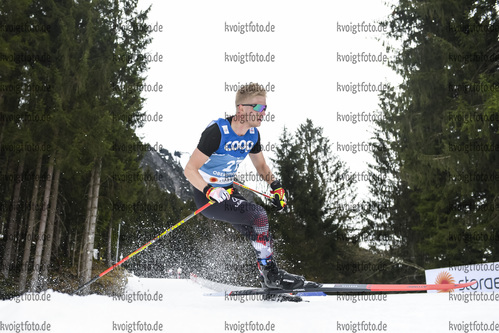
(184, 308)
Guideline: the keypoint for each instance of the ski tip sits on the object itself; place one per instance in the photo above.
(466, 284)
(452, 286)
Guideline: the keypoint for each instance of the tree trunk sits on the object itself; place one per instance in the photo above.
(42, 226)
(11, 229)
(57, 236)
(31, 223)
(109, 259)
(5, 122)
(84, 238)
(88, 249)
(73, 247)
(19, 237)
(47, 248)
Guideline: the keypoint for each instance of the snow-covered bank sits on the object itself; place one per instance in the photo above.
(170, 305)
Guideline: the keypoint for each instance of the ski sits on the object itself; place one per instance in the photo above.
(346, 288)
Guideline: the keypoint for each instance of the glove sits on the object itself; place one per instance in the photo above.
(218, 194)
(279, 200)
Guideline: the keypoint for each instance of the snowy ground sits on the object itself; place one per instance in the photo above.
(180, 306)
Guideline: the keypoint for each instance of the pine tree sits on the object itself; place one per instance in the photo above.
(448, 49)
(320, 189)
(68, 76)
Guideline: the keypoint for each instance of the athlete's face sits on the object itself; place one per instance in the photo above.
(249, 115)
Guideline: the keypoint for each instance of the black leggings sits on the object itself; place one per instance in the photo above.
(246, 217)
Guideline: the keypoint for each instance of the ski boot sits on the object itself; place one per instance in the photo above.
(272, 277)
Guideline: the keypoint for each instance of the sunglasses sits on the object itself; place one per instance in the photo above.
(256, 107)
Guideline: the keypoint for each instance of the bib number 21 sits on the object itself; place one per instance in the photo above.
(232, 166)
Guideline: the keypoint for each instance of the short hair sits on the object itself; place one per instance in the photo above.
(249, 90)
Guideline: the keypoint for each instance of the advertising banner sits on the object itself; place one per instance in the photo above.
(486, 274)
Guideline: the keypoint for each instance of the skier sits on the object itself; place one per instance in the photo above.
(211, 170)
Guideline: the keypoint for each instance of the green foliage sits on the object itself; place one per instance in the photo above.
(312, 236)
(60, 96)
(434, 188)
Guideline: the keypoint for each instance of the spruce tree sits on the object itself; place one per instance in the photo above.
(430, 181)
(319, 201)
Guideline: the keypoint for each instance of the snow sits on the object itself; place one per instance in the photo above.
(179, 305)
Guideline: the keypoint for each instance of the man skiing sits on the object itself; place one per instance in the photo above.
(211, 170)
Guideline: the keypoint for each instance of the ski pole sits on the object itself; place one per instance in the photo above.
(248, 188)
(144, 246)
